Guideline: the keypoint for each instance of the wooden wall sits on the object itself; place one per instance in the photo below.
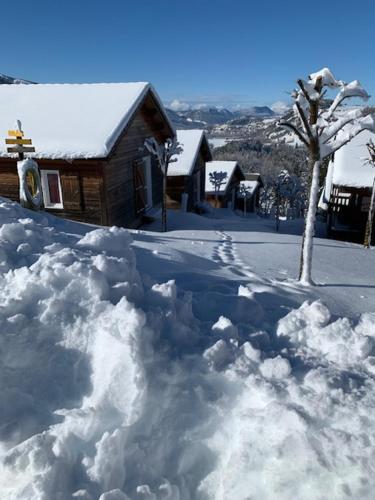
(81, 185)
(348, 212)
(118, 173)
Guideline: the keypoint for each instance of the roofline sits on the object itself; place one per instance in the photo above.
(122, 127)
(350, 186)
(230, 178)
(191, 168)
(162, 108)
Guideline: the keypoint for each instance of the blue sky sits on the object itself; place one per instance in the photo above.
(221, 52)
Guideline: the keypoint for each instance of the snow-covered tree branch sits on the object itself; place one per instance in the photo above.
(323, 130)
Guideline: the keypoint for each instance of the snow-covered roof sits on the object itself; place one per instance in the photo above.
(71, 120)
(190, 141)
(250, 186)
(224, 167)
(350, 167)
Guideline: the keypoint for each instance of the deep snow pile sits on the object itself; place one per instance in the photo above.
(113, 389)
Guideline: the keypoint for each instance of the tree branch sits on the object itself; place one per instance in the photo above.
(304, 91)
(352, 89)
(296, 131)
(340, 124)
(304, 120)
(326, 150)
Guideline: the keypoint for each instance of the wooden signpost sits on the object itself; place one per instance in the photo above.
(28, 173)
(17, 143)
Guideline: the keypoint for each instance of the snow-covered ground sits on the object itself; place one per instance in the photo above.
(249, 249)
(185, 365)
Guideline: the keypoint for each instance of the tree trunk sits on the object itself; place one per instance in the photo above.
(308, 235)
(370, 219)
(164, 205)
(277, 209)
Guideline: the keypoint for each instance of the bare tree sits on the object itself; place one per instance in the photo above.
(165, 154)
(217, 179)
(323, 129)
(370, 218)
(245, 192)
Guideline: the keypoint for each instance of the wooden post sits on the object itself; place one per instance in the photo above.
(277, 207)
(164, 205)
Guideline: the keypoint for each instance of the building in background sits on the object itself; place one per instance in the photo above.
(347, 191)
(223, 194)
(186, 176)
(251, 186)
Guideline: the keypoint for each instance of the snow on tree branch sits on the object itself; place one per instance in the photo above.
(346, 134)
(352, 89)
(327, 78)
(332, 130)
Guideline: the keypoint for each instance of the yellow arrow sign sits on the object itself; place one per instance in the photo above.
(15, 133)
(18, 141)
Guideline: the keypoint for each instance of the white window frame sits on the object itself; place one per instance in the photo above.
(148, 177)
(45, 189)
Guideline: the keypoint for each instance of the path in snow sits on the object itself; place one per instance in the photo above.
(225, 253)
(235, 250)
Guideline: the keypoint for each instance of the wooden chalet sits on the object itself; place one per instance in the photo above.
(252, 185)
(347, 191)
(186, 176)
(89, 145)
(225, 194)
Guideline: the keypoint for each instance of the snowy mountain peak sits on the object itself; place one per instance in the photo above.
(5, 79)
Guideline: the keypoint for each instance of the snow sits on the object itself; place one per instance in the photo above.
(186, 365)
(328, 80)
(220, 166)
(249, 186)
(218, 142)
(190, 141)
(350, 166)
(71, 120)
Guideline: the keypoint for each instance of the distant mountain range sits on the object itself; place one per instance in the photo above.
(206, 117)
(5, 79)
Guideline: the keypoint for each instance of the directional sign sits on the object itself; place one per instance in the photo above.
(18, 141)
(21, 149)
(18, 144)
(15, 133)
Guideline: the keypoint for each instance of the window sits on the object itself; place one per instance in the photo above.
(51, 187)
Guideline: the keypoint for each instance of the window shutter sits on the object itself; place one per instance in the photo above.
(71, 192)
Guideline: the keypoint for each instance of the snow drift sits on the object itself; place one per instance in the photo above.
(112, 389)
